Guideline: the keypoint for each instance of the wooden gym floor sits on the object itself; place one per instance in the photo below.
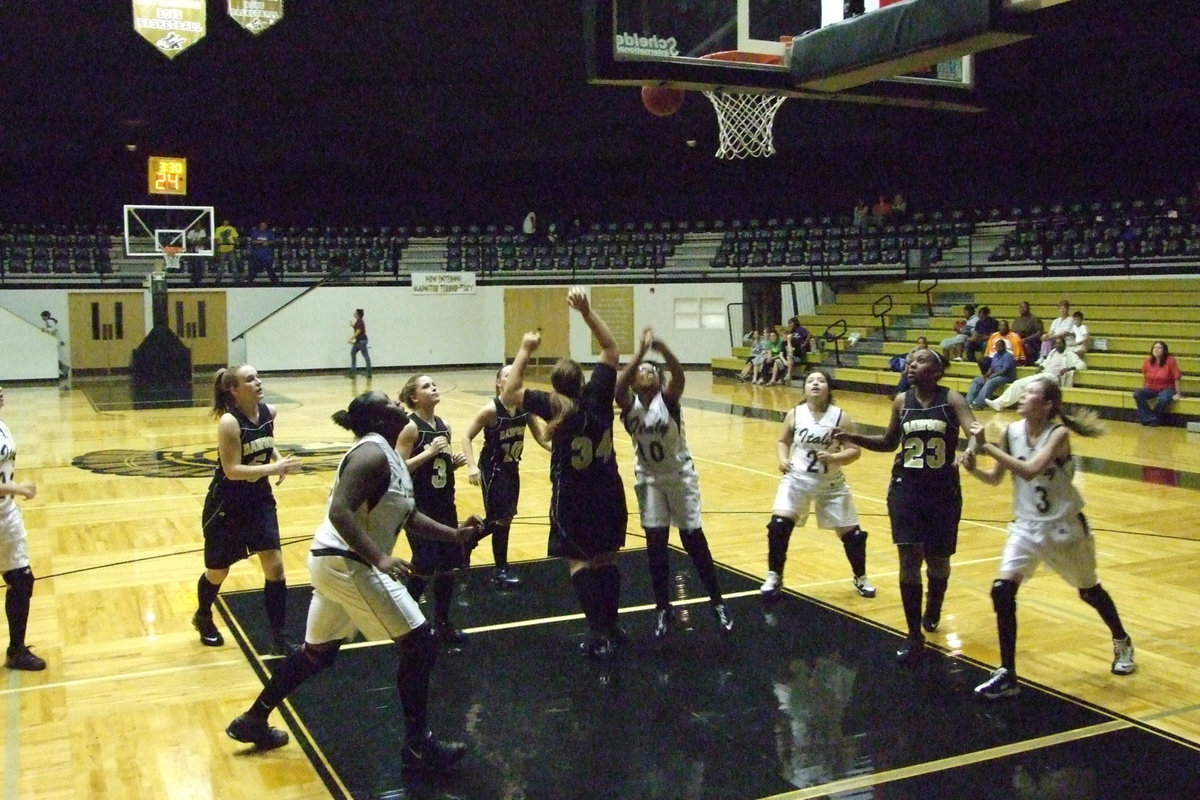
(133, 706)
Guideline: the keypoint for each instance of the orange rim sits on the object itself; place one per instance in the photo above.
(745, 57)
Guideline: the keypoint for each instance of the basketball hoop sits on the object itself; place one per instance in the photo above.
(744, 119)
(172, 256)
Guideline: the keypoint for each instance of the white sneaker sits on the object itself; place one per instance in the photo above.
(999, 684)
(1123, 657)
(772, 586)
(863, 586)
(994, 405)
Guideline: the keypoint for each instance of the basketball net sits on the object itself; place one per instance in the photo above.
(745, 122)
(172, 256)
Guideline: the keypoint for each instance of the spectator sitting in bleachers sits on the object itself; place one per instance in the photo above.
(984, 328)
(1060, 328)
(1060, 366)
(758, 356)
(952, 346)
(799, 343)
(1162, 378)
(1002, 335)
(1029, 327)
(1080, 342)
(775, 365)
(1002, 370)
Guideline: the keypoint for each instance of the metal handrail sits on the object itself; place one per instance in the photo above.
(928, 292)
(834, 332)
(879, 315)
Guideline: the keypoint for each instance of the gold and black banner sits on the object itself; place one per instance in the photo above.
(256, 15)
(170, 25)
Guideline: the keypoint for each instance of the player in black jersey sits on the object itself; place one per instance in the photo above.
(239, 517)
(588, 516)
(424, 445)
(924, 495)
(499, 470)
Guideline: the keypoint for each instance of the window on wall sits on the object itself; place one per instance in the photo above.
(700, 313)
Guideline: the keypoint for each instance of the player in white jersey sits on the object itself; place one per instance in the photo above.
(14, 555)
(811, 463)
(666, 484)
(359, 586)
(1048, 524)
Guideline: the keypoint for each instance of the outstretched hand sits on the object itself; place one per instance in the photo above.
(577, 299)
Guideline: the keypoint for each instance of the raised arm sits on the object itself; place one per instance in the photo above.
(513, 394)
(624, 391)
(578, 299)
(674, 389)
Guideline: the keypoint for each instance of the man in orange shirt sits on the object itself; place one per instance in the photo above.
(1015, 345)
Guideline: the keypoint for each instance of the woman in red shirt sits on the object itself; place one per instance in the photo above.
(1162, 377)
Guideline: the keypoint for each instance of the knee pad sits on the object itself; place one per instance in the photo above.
(657, 536)
(20, 581)
(855, 537)
(780, 528)
(1004, 596)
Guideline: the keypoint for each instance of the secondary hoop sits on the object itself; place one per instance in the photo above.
(745, 119)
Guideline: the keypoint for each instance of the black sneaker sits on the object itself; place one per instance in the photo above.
(662, 623)
(930, 622)
(724, 618)
(599, 647)
(430, 755)
(913, 649)
(209, 635)
(503, 579)
(256, 731)
(1001, 683)
(21, 658)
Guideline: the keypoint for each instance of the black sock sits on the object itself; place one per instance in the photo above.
(16, 605)
(658, 556)
(206, 595)
(937, 593)
(855, 545)
(418, 653)
(291, 672)
(443, 592)
(1098, 598)
(609, 582)
(910, 596)
(275, 599)
(500, 532)
(416, 586)
(1004, 600)
(696, 545)
(587, 590)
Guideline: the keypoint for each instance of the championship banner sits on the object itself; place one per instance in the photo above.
(432, 284)
(170, 25)
(256, 15)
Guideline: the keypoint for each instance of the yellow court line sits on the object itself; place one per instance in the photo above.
(916, 770)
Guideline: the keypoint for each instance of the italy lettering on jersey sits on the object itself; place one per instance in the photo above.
(8, 464)
(811, 435)
(1050, 496)
(658, 437)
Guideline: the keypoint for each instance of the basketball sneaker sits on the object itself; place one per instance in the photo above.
(772, 587)
(912, 651)
(209, 635)
(1001, 683)
(503, 579)
(931, 621)
(1123, 657)
(863, 586)
(724, 618)
(429, 755)
(256, 731)
(662, 623)
(22, 658)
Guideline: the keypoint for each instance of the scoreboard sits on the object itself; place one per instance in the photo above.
(167, 175)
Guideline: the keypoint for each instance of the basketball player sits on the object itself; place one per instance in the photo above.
(811, 463)
(14, 555)
(1048, 523)
(924, 495)
(499, 470)
(357, 584)
(424, 445)
(588, 515)
(667, 487)
(239, 517)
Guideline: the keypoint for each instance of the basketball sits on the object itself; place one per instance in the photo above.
(662, 101)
